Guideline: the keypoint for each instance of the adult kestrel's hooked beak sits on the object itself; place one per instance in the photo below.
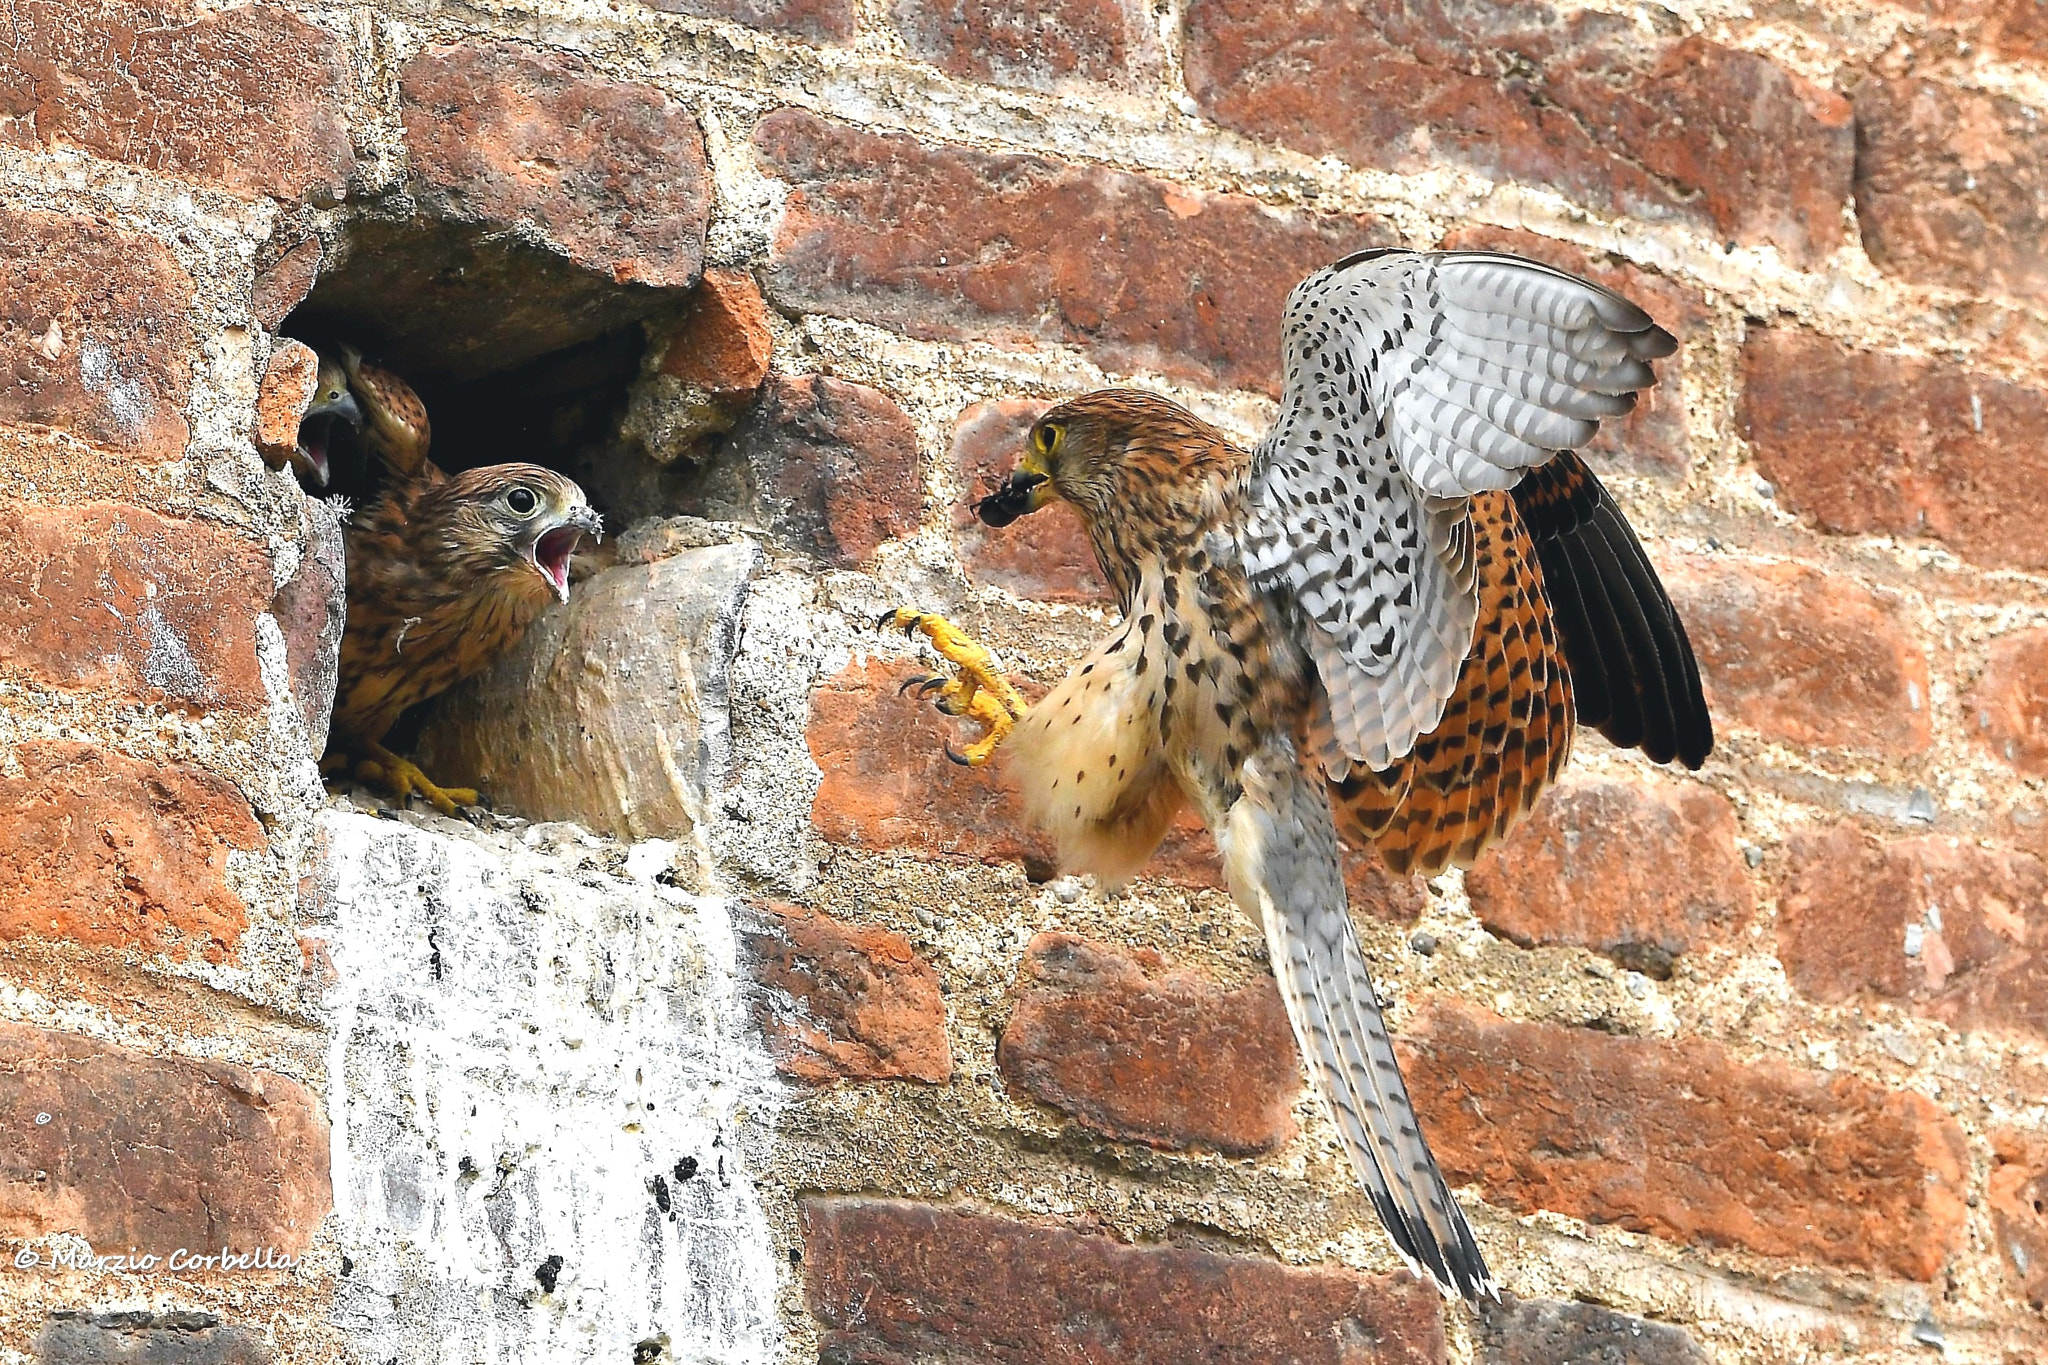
(1027, 489)
(553, 547)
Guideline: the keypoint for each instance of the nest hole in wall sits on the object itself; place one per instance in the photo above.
(519, 354)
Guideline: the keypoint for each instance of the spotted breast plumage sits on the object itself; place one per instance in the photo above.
(1386, 620)
(445, 573)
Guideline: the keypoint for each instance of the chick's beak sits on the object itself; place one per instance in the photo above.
(1026, 490)
(553, 547)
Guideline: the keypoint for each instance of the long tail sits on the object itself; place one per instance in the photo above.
(1282, 863)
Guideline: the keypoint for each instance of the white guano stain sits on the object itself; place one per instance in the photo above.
(538, 1052)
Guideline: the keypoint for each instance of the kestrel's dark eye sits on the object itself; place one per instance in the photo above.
(522, 501)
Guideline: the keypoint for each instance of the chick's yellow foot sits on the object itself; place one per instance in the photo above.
(978, 690)
(399, 778)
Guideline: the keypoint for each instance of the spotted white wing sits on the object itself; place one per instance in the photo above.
(1414, 380)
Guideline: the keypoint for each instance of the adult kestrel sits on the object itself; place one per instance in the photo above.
(1385, 619)
(444, 575)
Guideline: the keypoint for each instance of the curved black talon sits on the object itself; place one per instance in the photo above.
(931, 685)
(921, 680)
(948, 746)
(883, 622)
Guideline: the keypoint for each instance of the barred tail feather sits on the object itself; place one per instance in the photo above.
(1282, 863)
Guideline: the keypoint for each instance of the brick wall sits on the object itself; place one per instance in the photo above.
(796, 1056)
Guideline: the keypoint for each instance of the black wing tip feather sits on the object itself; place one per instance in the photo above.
(1615, 619)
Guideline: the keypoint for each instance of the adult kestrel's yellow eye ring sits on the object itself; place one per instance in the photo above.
(1047, 437)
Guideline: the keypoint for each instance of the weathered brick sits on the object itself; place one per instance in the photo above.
(1583, 102)
(155, 1153)
(849, 1002)
(249, 99)
(2010, 701)
(2018, 1194)
(1865, 443)
(2016, 29)
(888, 785)
(1681, 1140)
(821, 21)
(1653, 438)
(1951, 186)
(723, 343)
(949, 242)
(137, 1336)
(611, 171)
(834, 466)
(310, 609)
(101, 848)
(1804, 656)
(1951, 929)
(290, 380)
(95, 326)
(895, 1283)
(1047, 558)
(1038, 45)
(1553, 1332)
(285, 272)
(1643, 871)
(113, 599)
(1139, 1051)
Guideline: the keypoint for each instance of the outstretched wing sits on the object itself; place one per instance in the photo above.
(1282, 862)
(1413, 381)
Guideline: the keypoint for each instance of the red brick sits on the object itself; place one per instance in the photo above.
(1014, 43)
(116, 369)
(1682, 1141)
(1950, 186)
(821, 21)
(108, 850)
(2010, 701)
(834, 466)
(155, 1153)
(1866, 443)
(284, 276)
(289, 382)
(846, 1002)
(2016, 29)
(1851, 906)
(897, 1283)
(1139, 1051)
(248, 99)
(723, 343)
(1584, 103)
(1803, 656)
(888, 785)
(110, 598)
(1048, 557)
(1654, 438)
(1641, 871)
(611, 171)
(2018, 1194)
(1554, 1332)
(947, 242)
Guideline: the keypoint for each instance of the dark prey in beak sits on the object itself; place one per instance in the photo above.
(1010, 501)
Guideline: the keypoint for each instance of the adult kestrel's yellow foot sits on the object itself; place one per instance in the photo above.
(399, 778)
(978, 690)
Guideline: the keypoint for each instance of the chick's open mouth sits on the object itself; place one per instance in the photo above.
(551, 556)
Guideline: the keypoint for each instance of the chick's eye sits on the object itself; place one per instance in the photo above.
(521, 500)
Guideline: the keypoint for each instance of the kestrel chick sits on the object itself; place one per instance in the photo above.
(333, 405)
(1386, 618)
(444, 575)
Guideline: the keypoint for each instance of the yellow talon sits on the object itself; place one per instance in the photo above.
(979, 691)
(399, 778)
